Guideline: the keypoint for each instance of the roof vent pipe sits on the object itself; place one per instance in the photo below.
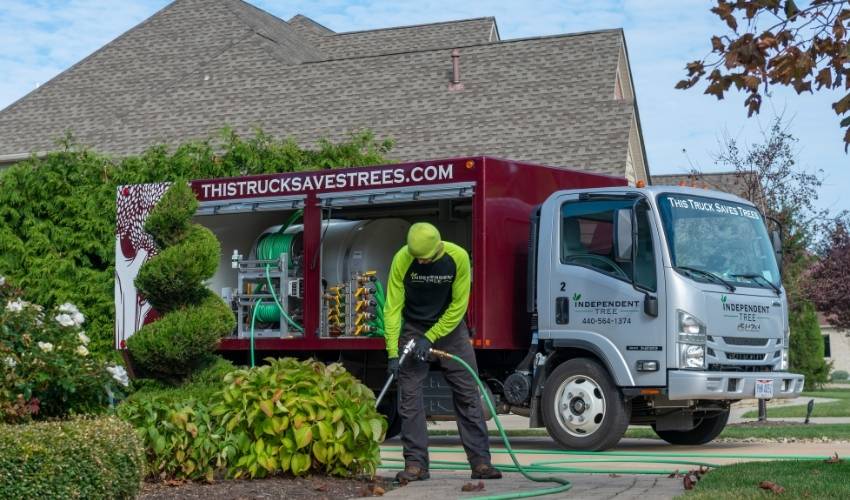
(455, 84)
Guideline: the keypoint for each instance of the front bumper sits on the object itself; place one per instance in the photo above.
(685, 384)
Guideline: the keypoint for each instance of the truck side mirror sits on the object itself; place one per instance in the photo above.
(776, 241)
(624, 237)
(650, 305)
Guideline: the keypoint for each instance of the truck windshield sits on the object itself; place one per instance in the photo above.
(709, 236)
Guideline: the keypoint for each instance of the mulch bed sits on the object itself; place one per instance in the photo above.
(318, 487)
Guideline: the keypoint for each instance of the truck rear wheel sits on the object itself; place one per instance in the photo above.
(582, 408)
(705, 431)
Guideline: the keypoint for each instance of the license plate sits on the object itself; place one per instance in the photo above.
(764, 389)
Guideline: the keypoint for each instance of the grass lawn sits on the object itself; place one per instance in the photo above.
(801, 479)
(840, 408)
(838, 432)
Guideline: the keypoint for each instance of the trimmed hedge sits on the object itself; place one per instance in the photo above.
(178, 276)
(173, 281)
(97, 458)
(182, 340)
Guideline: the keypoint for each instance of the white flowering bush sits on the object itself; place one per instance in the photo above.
(47, 369)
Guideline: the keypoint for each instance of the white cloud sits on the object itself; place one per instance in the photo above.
(42, 37)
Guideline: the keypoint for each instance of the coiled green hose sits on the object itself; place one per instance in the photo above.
(270, 247)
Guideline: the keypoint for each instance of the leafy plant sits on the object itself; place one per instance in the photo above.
(180, 438)
(299, 416)
(71, 258)
(839, 375)
(48, 370)
(83, 458)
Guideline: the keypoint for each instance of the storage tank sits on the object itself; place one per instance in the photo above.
(351, 246)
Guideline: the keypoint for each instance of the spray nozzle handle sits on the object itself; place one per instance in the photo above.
(405, 351)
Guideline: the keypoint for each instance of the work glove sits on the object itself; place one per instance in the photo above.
(392, 367)
(421, 349)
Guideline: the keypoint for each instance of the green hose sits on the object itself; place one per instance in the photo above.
(581, 457)
(564, 484)
(270, 247)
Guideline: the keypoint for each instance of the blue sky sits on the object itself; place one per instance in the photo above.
(40, 38)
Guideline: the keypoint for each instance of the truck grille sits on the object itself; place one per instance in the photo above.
(717, 367)
(744, 356)
(745, 341)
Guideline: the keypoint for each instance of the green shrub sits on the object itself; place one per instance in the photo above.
(173, 282)
(170, 219)
(200, 386)
(182, 340)
(806, 346)
(840, 375)
(57, 212)
(175, 277)
(47, 369)
(97, 458)
(299, 416)
(180, 438)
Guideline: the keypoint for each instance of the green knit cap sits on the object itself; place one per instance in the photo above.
(423, 240)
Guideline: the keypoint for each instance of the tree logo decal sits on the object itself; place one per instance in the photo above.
(723, 299)
(576, 297)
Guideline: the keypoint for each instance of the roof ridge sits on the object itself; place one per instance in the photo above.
(455, 21)
(479, 44)
(313, 22)
(257, 9)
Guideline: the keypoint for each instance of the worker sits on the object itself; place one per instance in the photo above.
(427, 296)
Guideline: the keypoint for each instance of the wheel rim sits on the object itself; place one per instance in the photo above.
(580, 405)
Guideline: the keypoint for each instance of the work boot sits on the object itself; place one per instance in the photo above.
(412, 473)
(486, 471)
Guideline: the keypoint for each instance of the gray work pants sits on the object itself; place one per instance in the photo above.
(465, 396)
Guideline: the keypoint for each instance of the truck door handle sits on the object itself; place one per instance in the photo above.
(562, 310)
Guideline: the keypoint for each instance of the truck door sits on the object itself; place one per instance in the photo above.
(607, 295)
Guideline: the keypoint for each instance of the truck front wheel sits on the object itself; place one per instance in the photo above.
(705, 431)
(582, 408)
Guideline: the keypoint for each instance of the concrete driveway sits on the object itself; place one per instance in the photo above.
(445, 485)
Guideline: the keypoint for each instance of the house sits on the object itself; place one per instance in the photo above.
(737, 183)
(439, 90)
(836, 345)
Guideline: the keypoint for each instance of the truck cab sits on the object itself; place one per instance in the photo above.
(660, 306)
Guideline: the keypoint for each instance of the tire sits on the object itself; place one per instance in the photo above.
(581, 389)
(705, 431)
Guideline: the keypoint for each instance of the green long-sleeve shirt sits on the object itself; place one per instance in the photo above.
(434, 295)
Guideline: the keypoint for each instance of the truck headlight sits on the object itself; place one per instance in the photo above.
(690, 325)
(691, 356)
(786, 337)
(691, 340)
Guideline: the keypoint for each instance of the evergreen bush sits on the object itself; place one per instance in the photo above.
(179, 342)
(806, 346)
(193, 318)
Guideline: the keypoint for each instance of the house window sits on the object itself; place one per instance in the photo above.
(827, 352)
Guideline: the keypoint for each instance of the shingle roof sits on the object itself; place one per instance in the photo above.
(200, 64)
(727, 182)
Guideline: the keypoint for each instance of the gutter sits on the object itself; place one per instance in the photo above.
(16, 157)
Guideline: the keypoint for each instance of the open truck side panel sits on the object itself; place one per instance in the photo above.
(501, 195)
